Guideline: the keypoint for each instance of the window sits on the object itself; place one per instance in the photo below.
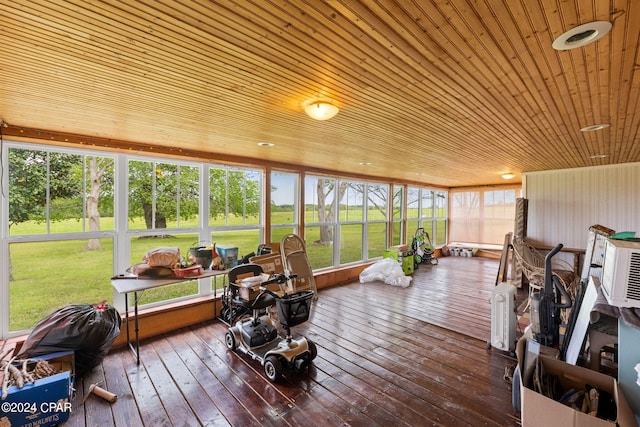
(361, 222)
(61, 236)
(482, 216)
(397, 214)
(320, 220)
(235, 197)
(377, 210)
(284, 204)
(427, 209)
(163, 201)
(439, 237)
(74, 217)
(413, 213)
(162, 195)
(235, 208)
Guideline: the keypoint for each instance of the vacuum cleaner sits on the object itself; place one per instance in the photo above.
(547, 305)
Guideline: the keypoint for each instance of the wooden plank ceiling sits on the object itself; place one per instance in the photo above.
(445, 92)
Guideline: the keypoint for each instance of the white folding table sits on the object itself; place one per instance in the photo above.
(127, 284)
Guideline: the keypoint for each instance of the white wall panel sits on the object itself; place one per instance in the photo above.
(563, 204)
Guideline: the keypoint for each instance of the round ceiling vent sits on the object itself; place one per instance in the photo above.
(582, 35)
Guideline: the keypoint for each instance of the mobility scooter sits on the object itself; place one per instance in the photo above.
(258, 336)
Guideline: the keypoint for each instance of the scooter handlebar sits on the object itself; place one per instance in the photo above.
(277, 278)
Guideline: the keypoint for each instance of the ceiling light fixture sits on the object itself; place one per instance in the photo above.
(266, 144)
(365, 163)
(599, 156)
(508, 175)
(595, 127)
(320, 110)
(582, 35)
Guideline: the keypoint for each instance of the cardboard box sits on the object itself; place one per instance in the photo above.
(270, 263)
(228, 254)
(539, 410)
(46, 402)
(249, 286)
(275, 247)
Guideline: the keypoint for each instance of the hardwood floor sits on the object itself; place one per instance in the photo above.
(387, 355)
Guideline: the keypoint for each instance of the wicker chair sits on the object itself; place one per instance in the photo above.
(531, 262)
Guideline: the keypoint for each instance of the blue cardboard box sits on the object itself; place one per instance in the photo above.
(229, 255)
(47, 401)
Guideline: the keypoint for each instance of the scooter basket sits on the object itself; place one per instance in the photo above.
(294, 308)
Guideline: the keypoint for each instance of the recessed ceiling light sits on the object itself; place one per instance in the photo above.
(266, 144)
(365, 163)
(508, 175)
(582, 35)
(595, 127)
(599, 156)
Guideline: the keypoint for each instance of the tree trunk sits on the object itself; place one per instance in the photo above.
(324, 215)
(95, 175)
(325, 231)
(161, 221)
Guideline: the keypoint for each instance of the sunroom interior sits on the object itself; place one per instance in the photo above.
(130, 126)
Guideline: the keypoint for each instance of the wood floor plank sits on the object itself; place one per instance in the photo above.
(248, 386)
(152, 411)
(388, 397)
(378, 377)
(117, 382)
(195, 355)
(97, 411)
(414, 356)
(77, 415)
(167, 390)
(194, 395)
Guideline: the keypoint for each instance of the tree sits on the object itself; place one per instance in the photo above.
(234, 192)
(161, 192)
(378, 197)
(97, 168)
(327, 214)
(35, 179)
(165, 192)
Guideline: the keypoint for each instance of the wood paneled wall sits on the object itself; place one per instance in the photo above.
(563, 204)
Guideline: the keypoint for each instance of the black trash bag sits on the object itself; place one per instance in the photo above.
(89, 330)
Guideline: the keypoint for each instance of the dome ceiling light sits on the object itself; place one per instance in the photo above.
(321, 110)
(582, 35)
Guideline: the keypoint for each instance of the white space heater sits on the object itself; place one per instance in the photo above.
(503, 317)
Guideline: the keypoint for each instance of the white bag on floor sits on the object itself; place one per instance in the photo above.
(387, 270)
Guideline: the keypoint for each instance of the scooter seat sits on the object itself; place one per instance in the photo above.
(264, 301)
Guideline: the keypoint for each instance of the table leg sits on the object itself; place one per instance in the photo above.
(135, 349)
(126, 316)
(135, 322)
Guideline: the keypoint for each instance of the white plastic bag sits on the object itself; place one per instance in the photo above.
(387, 270)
